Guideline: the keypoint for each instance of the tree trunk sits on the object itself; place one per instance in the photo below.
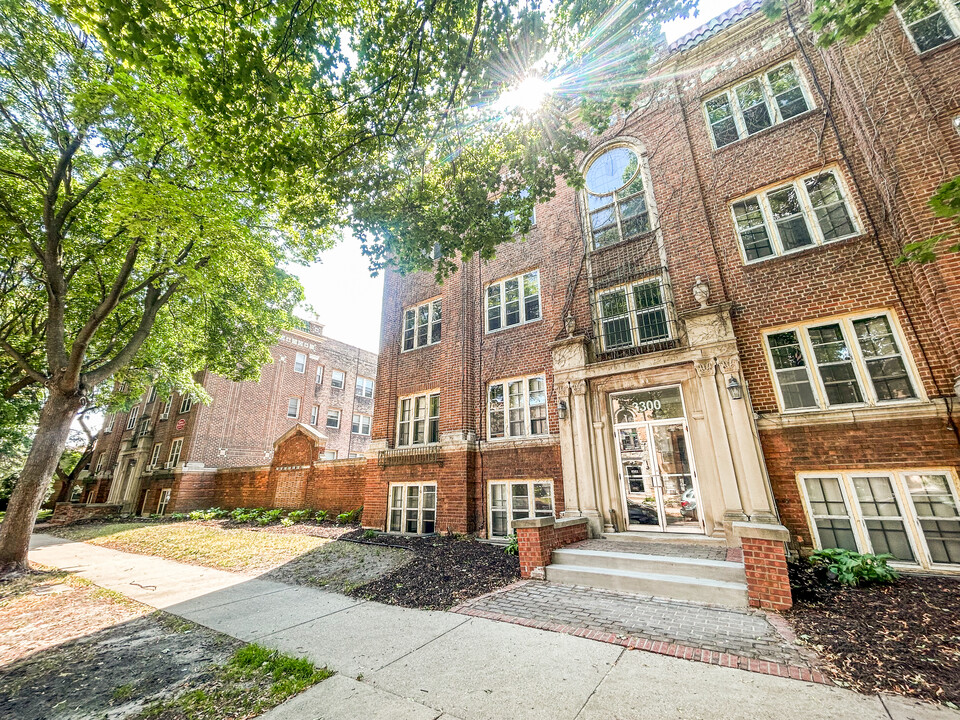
(53, 431)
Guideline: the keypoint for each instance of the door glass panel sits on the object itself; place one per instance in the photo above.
(638, 479)
(936, 508)
(676, 480)
(642, 405)
(882, 516)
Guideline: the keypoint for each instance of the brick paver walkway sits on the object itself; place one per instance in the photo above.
(700, 551)
(744, 633)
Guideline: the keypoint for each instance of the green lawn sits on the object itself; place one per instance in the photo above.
(42, 516)
(210, 545)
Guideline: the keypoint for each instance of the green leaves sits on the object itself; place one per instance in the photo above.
(853, 568)
(945, 203)
(846, 20)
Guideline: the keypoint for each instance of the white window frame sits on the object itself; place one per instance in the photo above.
(808, 214)
(165, 410)
(364, 387)
(951, 14)
(290, 406)
(858, 361)
(359, 421)
(327, 423)
(163, 500)
(144, 427)
(405, 509)
(108, 423)
(152, 395)
(300, 363)
(100, 460)
(186, 404)
(531, 509)
(176, 448)
(132, 417)
(155, 455)
(632, 311)
(908, 511)
(773, 108)
(412, 322)
(329, 454)
(314, 414)
(527, 421)
(429, 420)
(338, 384)
(501, 294)
(319, 377)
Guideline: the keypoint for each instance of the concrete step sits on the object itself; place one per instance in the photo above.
(661, 537)
(656, 564)
(702, 590)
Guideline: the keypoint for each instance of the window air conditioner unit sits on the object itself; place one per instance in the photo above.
(168, 466)
(164, 416)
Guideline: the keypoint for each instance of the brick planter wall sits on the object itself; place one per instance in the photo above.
(765, 564)
(537, 538)
(65, 513)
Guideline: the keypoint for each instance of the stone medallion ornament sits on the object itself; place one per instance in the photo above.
(701, 292)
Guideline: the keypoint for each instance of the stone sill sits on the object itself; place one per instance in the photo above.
(925, 409)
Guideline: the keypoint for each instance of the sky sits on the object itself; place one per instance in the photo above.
(344, 296)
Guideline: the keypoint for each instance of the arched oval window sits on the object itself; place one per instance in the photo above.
(616, 201)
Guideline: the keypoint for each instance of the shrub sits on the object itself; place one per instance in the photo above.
(349, 517)
(269, 516)
(178, 516)
(513, 545)
(210, 514)
(286, 522)
(238, 514)
(295, 516)
(320, 516)
(242, 515)
(369, 534)
(853, 568)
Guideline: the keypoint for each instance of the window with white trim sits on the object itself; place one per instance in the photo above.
(956, 124)
(174, 457)
(364, 387)
(422, 325)
(513, 301)
(418, 420)
(75, 493)
(338, 379)
(517, 407)
(186, 404)
(413, 508)
(616, 198)
(103, 456)
(330, 455)
(929, 23)
(518, 500)
(165, 410)
(108, 423)
(808, 211)
(319, 378)
(163, 501)
(913, 515)
(144, 427)
(155, 455)
(333, 419)
(361, 424)
(633, 315)
(300, 363)
(755, 104)
(854, 360)
(293, 407)
(132, 419)
(314, 414)
(152, 395)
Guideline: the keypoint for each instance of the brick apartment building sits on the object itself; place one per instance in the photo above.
(714, 332)
(164, 449)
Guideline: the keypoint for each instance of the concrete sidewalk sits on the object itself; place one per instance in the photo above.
(397, 663)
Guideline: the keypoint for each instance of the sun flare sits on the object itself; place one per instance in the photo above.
(528, 95)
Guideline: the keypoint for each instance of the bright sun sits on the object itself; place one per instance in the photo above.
(527, 95)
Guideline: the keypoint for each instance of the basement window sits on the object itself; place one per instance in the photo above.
(518, 500)
(413, 509)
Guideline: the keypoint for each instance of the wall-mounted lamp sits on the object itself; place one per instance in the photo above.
(734, 388)
(562, 409)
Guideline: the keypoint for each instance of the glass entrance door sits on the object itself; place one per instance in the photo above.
(655, 463)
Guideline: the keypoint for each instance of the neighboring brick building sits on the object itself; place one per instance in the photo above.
(714, 332)
(313, 380)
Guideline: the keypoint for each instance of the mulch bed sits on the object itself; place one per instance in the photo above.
(902, 638)
(444, 572)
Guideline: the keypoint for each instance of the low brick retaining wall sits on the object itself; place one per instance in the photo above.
(765, 564)
(65, 512)
(537, 538)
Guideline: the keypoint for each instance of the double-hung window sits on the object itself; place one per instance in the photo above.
(314, 414)
(186, 403)
(144, 427)
(108, 423)
(518, 500)
(100, 460)
(152, 395)
(756, 103)
(418, 420)
(155, 456)
(513, 301)
(174, 457)
(913, 515)
(848, 361)
(413, 508)
(361, 424)
(338, 379)
(811, 210)
(165, 410)
(319, 378)
(930, 23)
(330, 455)
(300, 363)
(517, 407)
(633, 315)
(164, 501)
(421, 325)
(293, 407)
(333, 419)
(364, 387)
(132, 419)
